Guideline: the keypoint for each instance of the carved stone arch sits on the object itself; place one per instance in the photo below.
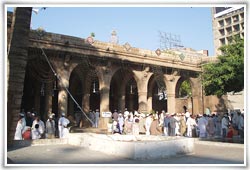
(118, 85)
(152, 95)
(180, 80)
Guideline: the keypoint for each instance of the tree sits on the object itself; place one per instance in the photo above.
(227, 75)
(185, 89)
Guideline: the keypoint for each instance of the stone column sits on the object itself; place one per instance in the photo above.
(62, 101)
(17, 60)
(63, 83)
(197, 95)
(104, 89)
(48, 104)
(63, 69)
(171, 82)
(142, 85)
(149, 103)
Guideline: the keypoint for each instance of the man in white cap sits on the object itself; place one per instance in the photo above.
(20, 127)
(121, 121)
(62, 126)
(50, 127)
(41, 127)
(97, 116)
(126, 113)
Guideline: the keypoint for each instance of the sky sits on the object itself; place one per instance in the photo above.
(139, 26)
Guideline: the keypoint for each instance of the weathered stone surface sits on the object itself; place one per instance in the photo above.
(134, 147)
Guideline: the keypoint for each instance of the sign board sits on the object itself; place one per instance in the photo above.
(162, 96)
(106, 114)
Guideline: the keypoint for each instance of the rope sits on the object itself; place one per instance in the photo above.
(58, 77)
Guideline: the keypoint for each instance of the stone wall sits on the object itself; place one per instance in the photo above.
(17, 59)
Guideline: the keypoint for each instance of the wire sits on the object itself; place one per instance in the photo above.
(58, 77)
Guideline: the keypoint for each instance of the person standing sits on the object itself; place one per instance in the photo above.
(241, 125)
(115, 115)
(50, 128)
(202, 124)
(166, 125)
(191, 124)
(29, 119)
(62, 126)
(121, 122)
(126, 113)
(36, 132)
(217, 123)
(155, 129)
(20, 127)
(92, 117)
(183, 126)
(173, 122)
(97, 116)
(210, 126)
(128, 126)
(148, 123)
(224, 125)
(41, 126)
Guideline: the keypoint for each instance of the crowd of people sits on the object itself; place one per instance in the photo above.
(179, 124)
(30, 126)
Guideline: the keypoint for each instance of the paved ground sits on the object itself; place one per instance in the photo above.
(205, 153)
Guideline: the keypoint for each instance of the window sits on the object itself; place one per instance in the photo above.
(222, 32)
(228, 21)
(222, 41)
(236, 28)
(229, 30)
(236, 18)
(221, 23)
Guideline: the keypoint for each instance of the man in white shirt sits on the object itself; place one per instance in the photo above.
(62, 126)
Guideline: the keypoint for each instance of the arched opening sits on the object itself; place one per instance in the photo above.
(121, 95)
(76, 89)
(131, 99)
(159, 102)
(94, 102)
(184, 95)
(157, 93)
(40, 93)
(84, 87)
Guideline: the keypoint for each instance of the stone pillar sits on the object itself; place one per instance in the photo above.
(62, 100)
(48, 104)
(104, 88)
(171, 82)
(149, 103)
(17, 60)
(142, 85)
(63, 83)
(63, 70)
(197, 95)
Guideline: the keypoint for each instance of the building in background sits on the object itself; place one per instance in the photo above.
(227, 22)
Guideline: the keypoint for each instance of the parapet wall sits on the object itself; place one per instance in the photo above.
(134, 147)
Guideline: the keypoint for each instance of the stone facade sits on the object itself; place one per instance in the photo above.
(101, 75)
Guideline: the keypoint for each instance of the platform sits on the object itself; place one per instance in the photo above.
(134, 147)
(127, 146)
